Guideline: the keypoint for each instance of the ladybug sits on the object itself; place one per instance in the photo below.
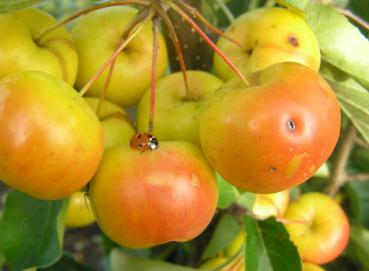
(144, 142)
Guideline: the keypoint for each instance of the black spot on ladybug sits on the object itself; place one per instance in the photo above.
(139, 136)
(292, 39)
(291, 125)
(150, 136)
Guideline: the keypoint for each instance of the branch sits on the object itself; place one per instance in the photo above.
(354, 17)
(338, 174)
(360, 177)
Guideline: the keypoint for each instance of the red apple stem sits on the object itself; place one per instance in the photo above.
(155, 50)
(195, 13)
(192, 23)
(88, 10)
(173, 36)
(134, 22)
(117, 51)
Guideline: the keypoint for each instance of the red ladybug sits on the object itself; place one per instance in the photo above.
(144, 142)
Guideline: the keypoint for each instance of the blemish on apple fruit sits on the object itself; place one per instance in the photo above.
(273, 169)
(292, 39)
(291, 125)
(294, 164)
(195, 181)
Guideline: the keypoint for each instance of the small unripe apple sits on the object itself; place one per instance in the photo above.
(272, 135)
(267, 205)
(311, 267)
(97, 35)
(117, 126)
(51, 142)
(20, 49)
(321, 231)
(177, 112)
(146, 198)
(79, 212)
(267, 36)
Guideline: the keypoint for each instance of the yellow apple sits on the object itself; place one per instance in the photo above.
(20, 50)
(97, 35)
(267, 205)
(79, 212)
(311, 267)
(177, 114)
(118, 128)
(268, 36)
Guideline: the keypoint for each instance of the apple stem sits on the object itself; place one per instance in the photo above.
(86, 11)
(173, 36)
(192, 23)
(195, 13)
(136, 26)
(155, 49)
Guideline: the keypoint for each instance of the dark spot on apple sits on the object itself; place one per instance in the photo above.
(291, 125)
(249, 51)
(273, 169)
(292, 39)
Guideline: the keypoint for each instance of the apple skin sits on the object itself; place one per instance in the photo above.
(176, 116)
(54, 54)
(79, 212)
(97, 35)
(154, 197)
(117, 126)
(275, 134)
(235, 246)
(213, 264)
(311, 267)
(268, 36)
(51, 142)
(325, 235)
(267, 205)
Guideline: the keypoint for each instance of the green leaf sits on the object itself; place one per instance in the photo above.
(358, 193)
(360, 8)
(341, 43)
(31, 231)
(268, 247)
(227, 193)
(359, 244)
(225, 232)
(120, 261)
(6, 5)
(353, 98)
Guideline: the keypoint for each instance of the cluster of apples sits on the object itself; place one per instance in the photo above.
(316, 224)
(263, 138)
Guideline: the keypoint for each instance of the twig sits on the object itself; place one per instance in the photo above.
(360, 177)
(338, 174)
(354, 17)
(361, 142)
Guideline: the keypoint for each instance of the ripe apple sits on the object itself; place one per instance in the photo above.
(97, 35)
(117, 126)
(20, 50)
(51, 142)
(176, 114)
(141, 199)
(79, 212)
(311, 267)
(326, 232)
(268, 36)
(274, 134)
(267, 205)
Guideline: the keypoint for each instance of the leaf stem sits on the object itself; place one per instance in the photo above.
(338, 173)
